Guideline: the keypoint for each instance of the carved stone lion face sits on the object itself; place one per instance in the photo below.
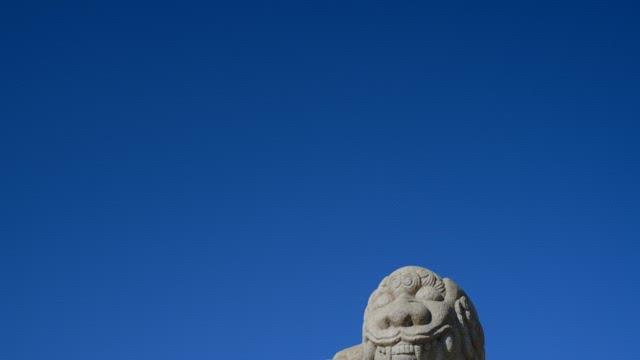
(416, 315)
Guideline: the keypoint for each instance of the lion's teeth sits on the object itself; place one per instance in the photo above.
(379, 355)
(402, 348)
(418, 351)
(448, 341)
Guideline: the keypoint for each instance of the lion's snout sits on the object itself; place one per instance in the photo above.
(404, 311)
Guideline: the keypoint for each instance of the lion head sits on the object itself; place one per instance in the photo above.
(414, 314)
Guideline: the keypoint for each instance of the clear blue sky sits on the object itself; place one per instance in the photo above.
(209, 180)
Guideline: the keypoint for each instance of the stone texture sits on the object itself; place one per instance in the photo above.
(414, 314)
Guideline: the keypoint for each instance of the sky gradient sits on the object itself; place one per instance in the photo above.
(200, 180)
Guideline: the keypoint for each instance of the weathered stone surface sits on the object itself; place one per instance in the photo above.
(414, 314)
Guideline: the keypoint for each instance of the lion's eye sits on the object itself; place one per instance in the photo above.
(382, 300)
(429, 293)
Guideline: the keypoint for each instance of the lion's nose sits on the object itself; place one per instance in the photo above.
(401, 318)
(404, 312)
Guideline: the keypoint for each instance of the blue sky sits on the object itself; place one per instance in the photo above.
(200, 180)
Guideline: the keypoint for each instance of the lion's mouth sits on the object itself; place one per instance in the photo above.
(436, 348)
(400, 351)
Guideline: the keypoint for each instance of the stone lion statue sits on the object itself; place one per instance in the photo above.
(414, 314)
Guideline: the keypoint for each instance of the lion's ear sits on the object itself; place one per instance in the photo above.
(470, 328)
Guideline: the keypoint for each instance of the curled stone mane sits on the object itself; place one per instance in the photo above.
(414, 314)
